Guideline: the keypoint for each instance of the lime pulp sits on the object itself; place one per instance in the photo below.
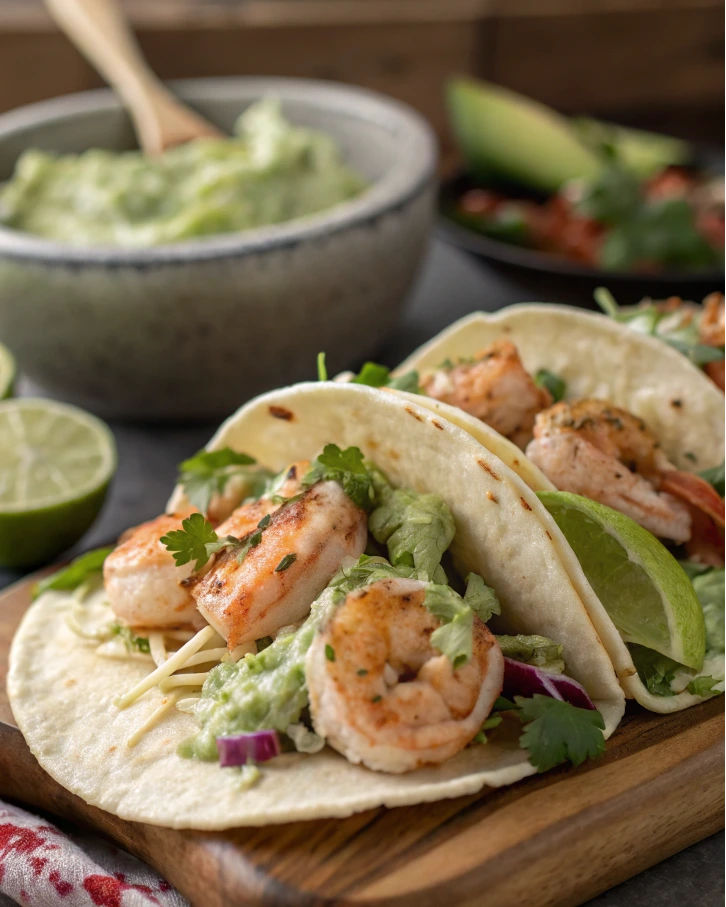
(56, 463)
(641, 585)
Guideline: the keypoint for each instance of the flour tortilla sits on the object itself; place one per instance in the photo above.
(597, 357)
(61, 691)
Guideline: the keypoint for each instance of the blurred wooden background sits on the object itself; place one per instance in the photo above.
(656, 63)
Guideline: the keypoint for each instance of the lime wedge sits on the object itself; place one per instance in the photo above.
(7, 372)
(56, 463)
(641, 585)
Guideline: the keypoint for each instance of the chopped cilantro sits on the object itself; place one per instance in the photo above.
(555, 731)
(330, 653)
(322, 370)
(551, 382)
(286, 562)
(208, 472)
(77, 572)
(265, 521)
(704, 686)
(376, 698)
(345, 467)
(132, 642)
(252, 541)
(374, 375)
(190, 542)
(361, 672)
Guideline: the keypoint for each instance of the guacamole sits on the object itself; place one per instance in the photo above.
(268, 172)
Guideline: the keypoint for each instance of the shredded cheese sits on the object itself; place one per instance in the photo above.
(173, 663)
(157, 648)
(205, 656)
(167, 705)
(183, 680)
(244, 648)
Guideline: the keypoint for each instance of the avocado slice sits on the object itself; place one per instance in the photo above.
(643, 153)
(501, 133)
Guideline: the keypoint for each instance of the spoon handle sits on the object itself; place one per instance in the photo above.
(100, 31)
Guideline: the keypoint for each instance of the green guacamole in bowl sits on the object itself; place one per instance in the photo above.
(270, 171)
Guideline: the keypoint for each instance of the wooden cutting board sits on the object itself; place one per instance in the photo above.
(554, 839)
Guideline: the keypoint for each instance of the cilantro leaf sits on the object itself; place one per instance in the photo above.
(551, 382)
(345, 467)
(408, 382)
(715, 477)
(704, 686)
(374, 375)
(656, 671)
(208, 472)
(533, 650)
(77, 572)
(132, 642)
(417, 528)
(555, 731)
(190, 542)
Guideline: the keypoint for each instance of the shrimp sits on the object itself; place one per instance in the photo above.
(711, 331)
(495, 387)
(142, 581)
(607, 454)
(382, 695)
(277, 580)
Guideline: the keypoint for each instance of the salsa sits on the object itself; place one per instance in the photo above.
(672, 220)
(270, 171)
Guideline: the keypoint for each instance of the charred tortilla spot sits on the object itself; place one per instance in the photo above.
(487, 468)
(677, 403)
(279, 412)
(492, 497)
(437, 425)
(412, 413)
(524, 504)
(548, 534)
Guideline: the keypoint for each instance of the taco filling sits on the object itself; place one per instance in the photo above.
(590, 447)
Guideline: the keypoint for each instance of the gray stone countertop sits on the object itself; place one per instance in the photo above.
(450, 286)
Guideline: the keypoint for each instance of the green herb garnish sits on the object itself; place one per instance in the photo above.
(551, 382)
(322, 370)
(190, 542)
(286, 562)
(345, 467)
(555, 732)
(77, 572)
(330, 653)
(132, 642)
(208, 472)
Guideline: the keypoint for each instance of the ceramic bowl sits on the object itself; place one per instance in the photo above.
(191, 330)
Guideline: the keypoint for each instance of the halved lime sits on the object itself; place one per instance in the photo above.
(7, 372)
(56, 462)
(641, 585)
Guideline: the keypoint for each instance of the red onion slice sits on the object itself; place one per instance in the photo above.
(240, 749)
(521, 679)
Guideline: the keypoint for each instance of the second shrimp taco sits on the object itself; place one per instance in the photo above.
(349, 603)
(623, 438)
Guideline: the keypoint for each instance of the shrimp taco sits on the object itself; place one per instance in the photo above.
(350, 603)
(623, 438)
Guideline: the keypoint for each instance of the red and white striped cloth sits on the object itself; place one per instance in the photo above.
(41, 866)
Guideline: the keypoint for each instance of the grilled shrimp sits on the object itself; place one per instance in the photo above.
(225, 505)
(277, 580)
(495, 388)
(143, 582)
(607, 454)
(382, 695)
(711, 330)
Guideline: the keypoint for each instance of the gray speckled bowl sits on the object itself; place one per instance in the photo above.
(192, 330)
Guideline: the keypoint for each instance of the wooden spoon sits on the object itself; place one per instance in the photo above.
(100, 31)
